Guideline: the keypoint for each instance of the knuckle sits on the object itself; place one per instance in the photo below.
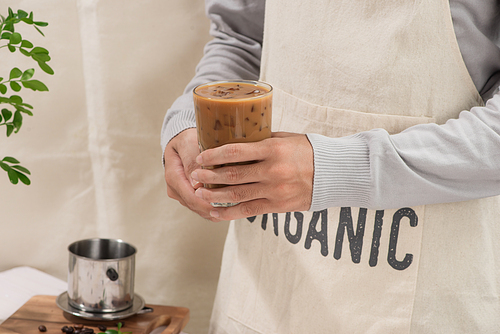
(275, 171)
(249, 210)
(279, 147)
(232, 174)
(235, 195)
(232, 151)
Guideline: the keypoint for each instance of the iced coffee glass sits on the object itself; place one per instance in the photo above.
(237, 111)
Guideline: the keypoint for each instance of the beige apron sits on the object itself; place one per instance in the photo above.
(341, 67)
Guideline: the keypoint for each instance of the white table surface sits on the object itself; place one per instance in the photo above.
(19, 284)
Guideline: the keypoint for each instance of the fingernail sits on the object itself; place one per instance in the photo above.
(194, 179)
(194, 176)
(214, 213)
(199, 159)
(198, 193)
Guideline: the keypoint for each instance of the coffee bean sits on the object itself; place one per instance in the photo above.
(102, 328)
(42, 328)
(79, 326)
(68, 329)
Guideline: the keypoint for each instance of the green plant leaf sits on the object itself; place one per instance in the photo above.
(41, 33)
(23, 110)
(16, 99)
(10, 129)
(26, 44)
(18, 120)
(6, 35)
(35, 85)
(15, 86)
(21, 14)
(111, 331)
(15, 73)
(3, 89)
(7, 114)
(23, 178)
(14, 179)
(15, 38)
(39, 49)
(41, 24)
(25, 52)
(46, 68)
(27, 20)
(12, 160)
(11, 48)
(4, 166)
(40, 57)
(9, 26)
(28, 74)
(21, 169)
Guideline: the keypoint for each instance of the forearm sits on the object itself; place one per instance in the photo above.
(426, 164)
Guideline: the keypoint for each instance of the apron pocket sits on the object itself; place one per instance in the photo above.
(295, 115)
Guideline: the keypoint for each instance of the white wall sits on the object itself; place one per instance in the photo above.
(93, 146)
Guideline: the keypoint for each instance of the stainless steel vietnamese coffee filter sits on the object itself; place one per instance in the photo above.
(101, 275)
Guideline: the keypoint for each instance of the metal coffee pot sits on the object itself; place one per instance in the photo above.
(101, 275)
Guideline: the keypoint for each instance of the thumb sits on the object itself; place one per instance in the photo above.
(187, 149)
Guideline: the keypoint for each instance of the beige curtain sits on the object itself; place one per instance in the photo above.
(93, 146)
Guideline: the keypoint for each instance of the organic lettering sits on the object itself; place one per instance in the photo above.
(396, 221)
(299, 217)
(321, 235)
(377, 232)
(355, 239)
(318, 228)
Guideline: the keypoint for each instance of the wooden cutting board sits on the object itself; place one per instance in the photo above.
(42, 310)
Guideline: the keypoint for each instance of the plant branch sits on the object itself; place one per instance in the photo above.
(17, 80)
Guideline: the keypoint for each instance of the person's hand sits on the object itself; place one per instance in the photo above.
(180, 155)
(280, 180)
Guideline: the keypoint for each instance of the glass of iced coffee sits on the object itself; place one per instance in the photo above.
(236, 111)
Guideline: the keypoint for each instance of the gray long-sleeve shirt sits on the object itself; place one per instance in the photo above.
(456, 161)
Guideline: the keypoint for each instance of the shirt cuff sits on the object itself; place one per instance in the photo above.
(175, 122)
(341, 172)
